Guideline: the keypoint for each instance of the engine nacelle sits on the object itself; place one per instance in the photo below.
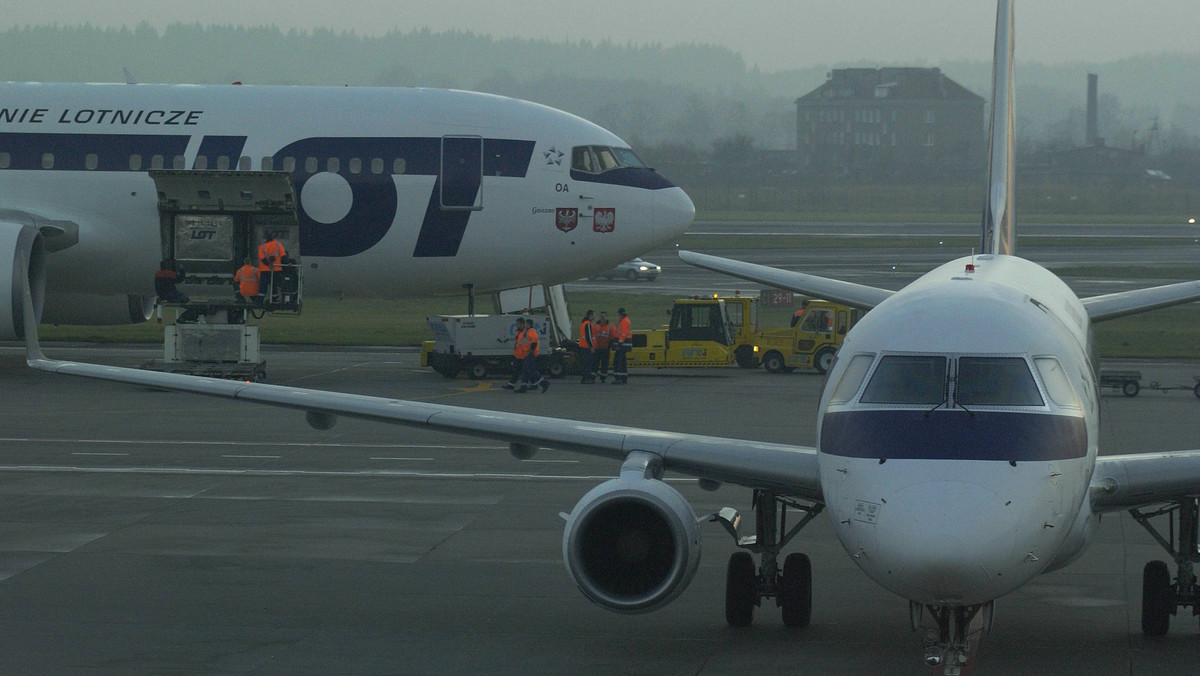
(22, 264)
(85, 309)
(632, 545)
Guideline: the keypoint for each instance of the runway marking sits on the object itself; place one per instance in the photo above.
(93, 453)
(555, 462)
(400, 458)
(370, 473)
(285, 444)
(263, 457)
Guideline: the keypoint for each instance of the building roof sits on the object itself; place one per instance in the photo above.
(888, 83)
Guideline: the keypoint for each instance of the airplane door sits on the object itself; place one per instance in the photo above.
(462, 172)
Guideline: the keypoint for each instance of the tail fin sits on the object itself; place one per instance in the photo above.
(999, 219)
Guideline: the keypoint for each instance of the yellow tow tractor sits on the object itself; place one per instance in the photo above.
(817, 332)
(704, 331)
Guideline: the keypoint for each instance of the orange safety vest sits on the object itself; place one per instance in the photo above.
(604, 334)
(268, 249)
(585, 335)
(247, 280)
(533, 340)
(523, 345)
(623, 331)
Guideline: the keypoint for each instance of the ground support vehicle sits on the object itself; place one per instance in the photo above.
(812, 341)
(1130, 383)
(480, 345)
(710, 331)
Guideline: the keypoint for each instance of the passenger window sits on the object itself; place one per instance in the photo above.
(398, 165)
(1058, 386)
(5, 160)
(202, 162)
(135, 162)
(178, 162)
(852, 378)
(289, 164)
(156, 161)
(996, 381)
(222, 162)
(904, 379)
(47, 160)
(90, 161)
(377, 165)
(310, 165)
(268, 163)
(581, 160)
(332, 165)
(354, 165)
(245, 163)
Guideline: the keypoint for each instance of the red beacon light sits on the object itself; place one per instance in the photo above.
(970, 267)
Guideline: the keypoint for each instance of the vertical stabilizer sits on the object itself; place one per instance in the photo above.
(999, 221)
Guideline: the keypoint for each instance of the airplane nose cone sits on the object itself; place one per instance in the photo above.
(945, 542)
(673, 212)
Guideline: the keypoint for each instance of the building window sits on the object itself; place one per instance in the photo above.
(929, 117)
(929, 138)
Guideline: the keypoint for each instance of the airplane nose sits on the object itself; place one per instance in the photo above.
(945, 542)
(673, 212)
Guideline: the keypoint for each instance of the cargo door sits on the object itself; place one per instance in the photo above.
(461, 176)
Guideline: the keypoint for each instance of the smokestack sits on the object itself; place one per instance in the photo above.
(1093, 134)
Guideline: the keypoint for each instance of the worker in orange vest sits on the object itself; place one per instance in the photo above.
(587, 348)
(530, 378)
(270, 264)
(622, 343)
(246, 281)
(519, 351)
(604, 333)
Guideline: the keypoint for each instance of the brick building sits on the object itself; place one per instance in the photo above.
(901, 124)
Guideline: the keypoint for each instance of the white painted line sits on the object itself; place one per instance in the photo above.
(85, 453)
(262, 457)
(382, 473)
(257, 444)
(403, 459)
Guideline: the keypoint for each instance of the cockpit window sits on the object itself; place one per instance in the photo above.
(599, 159)
(852, 378)
(996, 381)
(1058, 386)
(907, 379)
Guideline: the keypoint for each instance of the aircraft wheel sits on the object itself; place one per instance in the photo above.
(795, 590)
(741, 590)
(773, 362)
(477, 370)
(557, 368)
(824, 359)
(1131, 388)
(631, 275)
(1157, 598)
(744, 356)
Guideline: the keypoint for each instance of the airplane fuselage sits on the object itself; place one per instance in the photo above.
(955, 457)
(401, 192)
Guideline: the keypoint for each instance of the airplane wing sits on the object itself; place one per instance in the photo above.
(847, 293)
(1125, 481)
(1113, 305)
(791, 470)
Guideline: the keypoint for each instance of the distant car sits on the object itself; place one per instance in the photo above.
(634, 270)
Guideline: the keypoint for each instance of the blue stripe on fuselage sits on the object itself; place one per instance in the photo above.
(953, 435)
(213, 147)
(69, 152)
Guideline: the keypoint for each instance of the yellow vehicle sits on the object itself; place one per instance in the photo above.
(712, 331)
(817, 332)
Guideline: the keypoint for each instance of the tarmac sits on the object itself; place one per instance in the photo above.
(160, 533)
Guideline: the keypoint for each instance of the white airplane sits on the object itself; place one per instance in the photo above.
(956, 447)
(400, 192)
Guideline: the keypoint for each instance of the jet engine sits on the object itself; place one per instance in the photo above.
(22, 265)
(632, 545)
(85, 309)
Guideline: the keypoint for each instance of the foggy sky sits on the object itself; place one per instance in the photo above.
(772, 34)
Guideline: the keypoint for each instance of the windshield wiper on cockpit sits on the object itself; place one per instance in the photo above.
(939, 405)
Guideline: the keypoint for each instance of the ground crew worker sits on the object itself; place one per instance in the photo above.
(623, 338)
(529, 373)
(518, 355)
(603, 332)
(587, 348)
(270, 264)
(165, 279)
(246, 280)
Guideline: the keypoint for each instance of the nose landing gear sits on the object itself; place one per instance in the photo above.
(746, 586)
(948, 642)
